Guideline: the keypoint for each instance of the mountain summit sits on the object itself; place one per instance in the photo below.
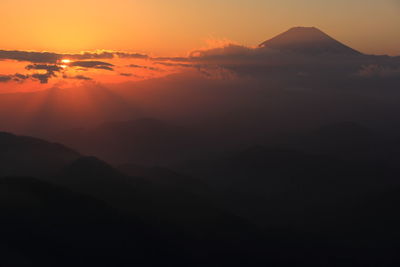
(307, 40)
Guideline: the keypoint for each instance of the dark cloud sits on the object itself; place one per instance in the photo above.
(90, 55)
(93, 65)
(82, 77)
(34, 57)
(130, 55)
(13, 77)
(131, 75)
(104, 55)
(48, 57)
(78, 77)
(21, 77)
(5, 78)
(184, 65)
(53, 69)
(43, 78)
(104, 68)
(49, 68)
(51, 63)
(143, 67)
(263, 62)
(126, 74)
(181, 59)
(212, 70)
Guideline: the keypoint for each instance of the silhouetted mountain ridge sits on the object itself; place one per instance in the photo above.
(307, 40)
(22, 155)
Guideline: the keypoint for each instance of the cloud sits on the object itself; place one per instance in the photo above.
(56, 66)
(124, 74)
(143, 67)
(91, 55)
(34, 57)
(104, 68)
(104, 55)
(229, 50)
(202, 68)
(184, 65)
(227, 55)
(5, 78)
(21, 77)
(49, 68)
(52, 58)
(14, 77)
(207, 70)
(181, 59)
(232, 59)
(78, 77)
(82, 77)
(52, 69)
(131, 55)
(43, 78)
(93, 65)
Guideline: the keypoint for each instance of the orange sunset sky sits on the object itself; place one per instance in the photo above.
(175, 27)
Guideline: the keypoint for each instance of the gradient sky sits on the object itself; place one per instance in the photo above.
(175, 27)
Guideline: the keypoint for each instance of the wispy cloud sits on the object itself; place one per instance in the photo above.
(126, 74)
(93, 64)
(143, 67)
(77, 77)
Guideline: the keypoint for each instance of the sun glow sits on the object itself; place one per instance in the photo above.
(65, 63)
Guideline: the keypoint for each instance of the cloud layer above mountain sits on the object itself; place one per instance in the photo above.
(302, 51)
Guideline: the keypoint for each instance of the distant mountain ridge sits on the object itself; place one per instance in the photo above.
(307, 40)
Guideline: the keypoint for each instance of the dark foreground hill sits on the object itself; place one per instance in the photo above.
(83, 212)
(47, 225)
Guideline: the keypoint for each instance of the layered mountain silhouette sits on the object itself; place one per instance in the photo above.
(75, 206)
(307, 40)
(88, 207)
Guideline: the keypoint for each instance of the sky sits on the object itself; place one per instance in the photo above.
(176, 27)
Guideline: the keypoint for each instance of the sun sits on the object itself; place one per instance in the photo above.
(64, 63)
